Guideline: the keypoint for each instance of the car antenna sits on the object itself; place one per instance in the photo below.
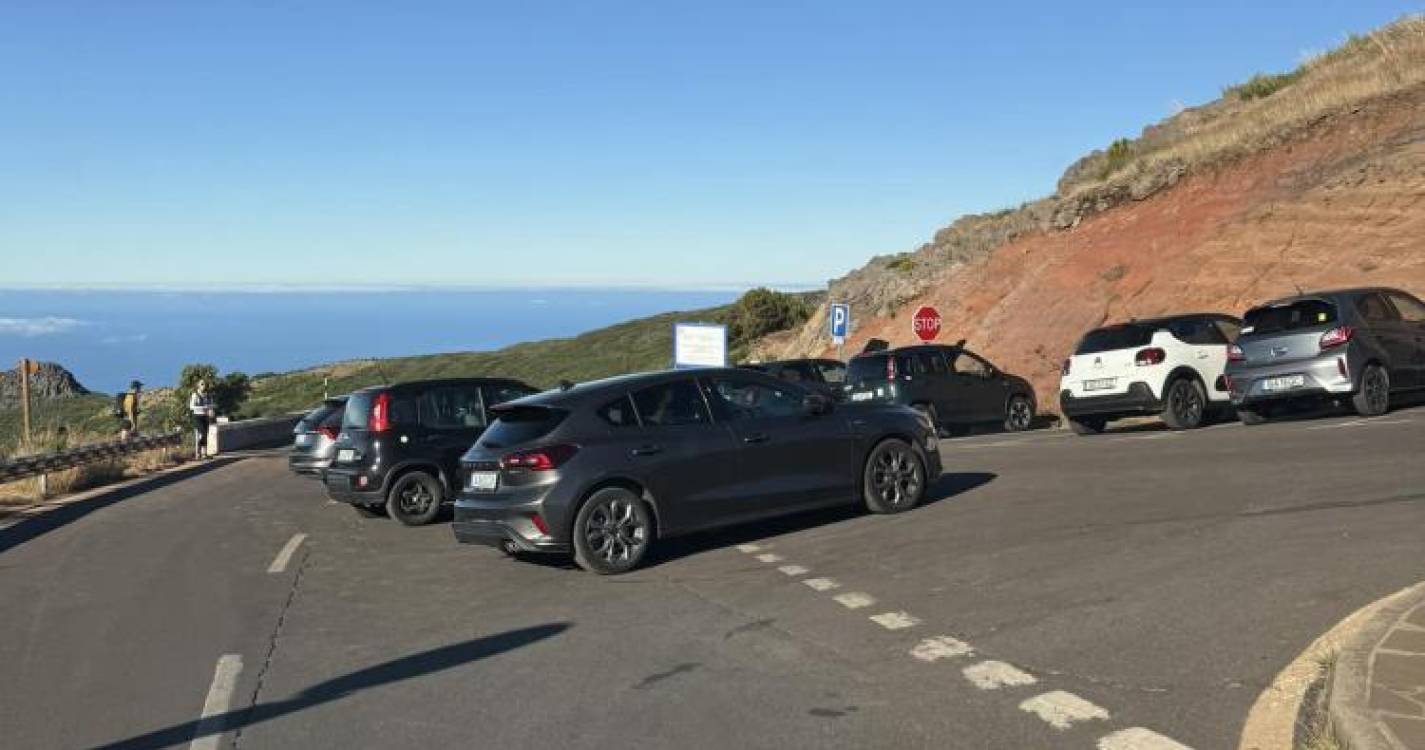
(385, 379)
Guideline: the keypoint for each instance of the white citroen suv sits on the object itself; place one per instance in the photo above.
(1171, 366)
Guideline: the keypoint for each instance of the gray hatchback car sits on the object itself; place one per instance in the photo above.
(1357, 345)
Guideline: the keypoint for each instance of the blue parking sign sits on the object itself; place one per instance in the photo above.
(840, 321)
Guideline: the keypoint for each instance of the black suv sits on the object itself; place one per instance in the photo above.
(400, 445)
(955, 387)
(827, 376)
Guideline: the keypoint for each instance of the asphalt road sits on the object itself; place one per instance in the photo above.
(1142, 580)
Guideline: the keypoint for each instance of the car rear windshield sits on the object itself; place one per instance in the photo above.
(867, 367)
(1127, 336)
(1306, 313)
(358, 410)
(516, 425)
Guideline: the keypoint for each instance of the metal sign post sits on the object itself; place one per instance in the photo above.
(25, 400)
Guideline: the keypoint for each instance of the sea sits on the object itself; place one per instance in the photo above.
(108, 338)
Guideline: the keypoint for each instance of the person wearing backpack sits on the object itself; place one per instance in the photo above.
(130, 407)
(200, 405)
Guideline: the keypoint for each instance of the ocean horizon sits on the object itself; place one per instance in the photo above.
(108, 337)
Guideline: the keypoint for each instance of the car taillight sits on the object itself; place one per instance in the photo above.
(890, 368)
(327, 431)
(1064, 368)
(539, 459)
(1235, 354)
(1150, 356)
(539, 523)
(1337, 336)
(380, 420)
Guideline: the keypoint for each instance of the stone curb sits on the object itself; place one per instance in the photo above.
(1366, 713)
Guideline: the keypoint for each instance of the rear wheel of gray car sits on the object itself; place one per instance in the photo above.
(894, 478)
(1087, 426)
(415, 499)
(1373, 398)
(1187, 403)
(612, 531)
(1251, 417)
(1018, 414)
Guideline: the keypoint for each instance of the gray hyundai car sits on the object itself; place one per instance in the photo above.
(605, 468)
(1356, 346)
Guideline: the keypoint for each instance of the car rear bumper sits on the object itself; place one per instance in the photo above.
(1139, 399)
(344, 485)
(510, 515)
(1326, 376)
(306, 463)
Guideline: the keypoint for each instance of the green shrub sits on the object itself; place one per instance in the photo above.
(1119, 153)
(902, 264)
(227, 392)
(1262, 85)
(760, 312)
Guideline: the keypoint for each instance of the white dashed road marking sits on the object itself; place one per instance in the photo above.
(854, 600)
(279, 564)
(769, 558)
(822, 584)
(993, 675)
(940, 647)
(749, 548)
(1062, 710)
(896, 620)
(220, 694)
(1138, 738)
(794, 570)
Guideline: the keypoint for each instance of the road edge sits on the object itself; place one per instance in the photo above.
(1354, 720)
(1271, 723)
(35, 510)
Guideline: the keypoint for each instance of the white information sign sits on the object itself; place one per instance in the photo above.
(699, 345)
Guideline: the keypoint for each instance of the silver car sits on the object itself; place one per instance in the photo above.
(314, 442)
(1360, 346)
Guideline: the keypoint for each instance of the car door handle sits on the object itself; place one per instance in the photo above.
(760, 437)
(647, 450)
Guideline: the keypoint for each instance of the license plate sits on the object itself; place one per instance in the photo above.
(862, 396)
(1102, 384)
(484, 480)
(346, 455)
(304, 439)
(1284, 383)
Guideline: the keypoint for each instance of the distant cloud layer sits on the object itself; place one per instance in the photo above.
(31, 327)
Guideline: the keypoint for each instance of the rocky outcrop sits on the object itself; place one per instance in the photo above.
(50, 382)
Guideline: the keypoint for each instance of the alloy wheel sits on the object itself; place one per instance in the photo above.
(1187, 403)
(415, 498)
(895, 477)
(1020, 415)
(1377, 392)
(615, 531)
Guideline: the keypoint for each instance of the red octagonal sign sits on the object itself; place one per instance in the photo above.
(925, 323)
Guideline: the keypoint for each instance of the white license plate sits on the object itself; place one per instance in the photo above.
(1284, 383)
(862, 396)
(1102, 384)
(484, 480)
(304, 439)
(346, 455)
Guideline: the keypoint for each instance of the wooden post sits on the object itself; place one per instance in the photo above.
(25, 400)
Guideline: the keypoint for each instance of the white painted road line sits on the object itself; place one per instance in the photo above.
(793, 570)
(1062, 710)
(941, 647)
(1138, 738)
(749, 548)
(821, 584)
(285, 556)
(769, 558)
(220, 695)
(993, 675)
(896, 620)
(854, 600)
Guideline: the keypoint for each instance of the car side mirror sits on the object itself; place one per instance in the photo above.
(815, 404)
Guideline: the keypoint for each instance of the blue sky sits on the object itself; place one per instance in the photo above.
(658, 143)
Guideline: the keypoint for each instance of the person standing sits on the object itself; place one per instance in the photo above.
(131, 408)
(200, 405)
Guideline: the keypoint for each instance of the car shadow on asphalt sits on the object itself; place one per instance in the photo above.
(405, 668)
(61, 515)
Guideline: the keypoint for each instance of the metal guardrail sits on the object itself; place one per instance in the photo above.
(30, 466)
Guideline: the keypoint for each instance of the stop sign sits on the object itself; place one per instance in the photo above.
(925, 323)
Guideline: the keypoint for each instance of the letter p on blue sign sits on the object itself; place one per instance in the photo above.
(840, 321)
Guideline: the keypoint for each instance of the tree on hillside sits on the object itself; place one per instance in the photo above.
(228, 392)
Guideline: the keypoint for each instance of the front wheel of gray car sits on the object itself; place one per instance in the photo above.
(1373, 398)
(1187, 404)
(612, 531)
(1018, 414)
(894, 478)
(415, 499)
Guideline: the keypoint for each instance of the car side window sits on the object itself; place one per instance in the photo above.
(670, 404)
(1411, 310)
(452, 408)
(1374, 308)
(832, 372)
(1197, 331)
(790, 374)
(502, 392)
(934, 363)
(1230, 329)
(619, 413)
(753, 399)
(968, 364)
(403, 411)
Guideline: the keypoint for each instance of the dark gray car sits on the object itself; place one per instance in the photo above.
(602, 469)
(314, 438)
(952, 385)
(1361, 346)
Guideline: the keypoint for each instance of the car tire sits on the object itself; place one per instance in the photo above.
(1372, 399)
(1087, 426)
(1018, 414)
(1252, 417)
(893, 479)
(1185, 408)
(612, 531)
(415, 498)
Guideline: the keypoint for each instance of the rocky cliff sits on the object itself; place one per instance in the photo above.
(51, 382)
